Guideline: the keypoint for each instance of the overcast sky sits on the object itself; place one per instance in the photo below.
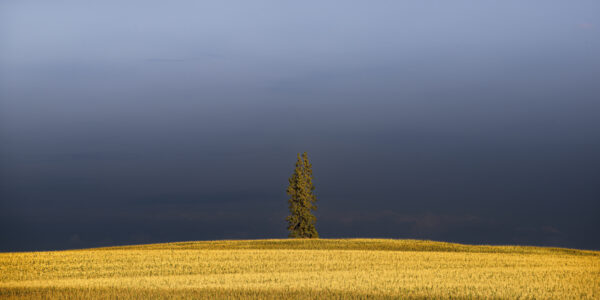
(153, 121)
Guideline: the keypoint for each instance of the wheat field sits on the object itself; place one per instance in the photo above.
(303, 269)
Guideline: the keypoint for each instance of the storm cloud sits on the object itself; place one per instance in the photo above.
(142, 121)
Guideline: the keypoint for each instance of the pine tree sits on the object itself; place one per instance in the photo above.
(301, 221)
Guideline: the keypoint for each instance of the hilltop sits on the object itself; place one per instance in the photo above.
(352, 244)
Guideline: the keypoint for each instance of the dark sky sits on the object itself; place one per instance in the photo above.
(138, 121)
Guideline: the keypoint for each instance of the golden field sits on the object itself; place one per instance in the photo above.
(296, 269)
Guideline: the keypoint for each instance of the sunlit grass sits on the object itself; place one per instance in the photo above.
(355, 268)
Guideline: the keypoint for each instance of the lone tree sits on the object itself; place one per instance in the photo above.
(301, 221)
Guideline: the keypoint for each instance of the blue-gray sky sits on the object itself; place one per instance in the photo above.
(148, 121)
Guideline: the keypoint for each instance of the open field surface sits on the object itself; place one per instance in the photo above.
(355, 268)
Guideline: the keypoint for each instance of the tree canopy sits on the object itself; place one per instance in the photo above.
(301, 221)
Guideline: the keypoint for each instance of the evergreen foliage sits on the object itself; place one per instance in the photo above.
(301, 221)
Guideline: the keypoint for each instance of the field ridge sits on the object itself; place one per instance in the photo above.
(352, 244)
